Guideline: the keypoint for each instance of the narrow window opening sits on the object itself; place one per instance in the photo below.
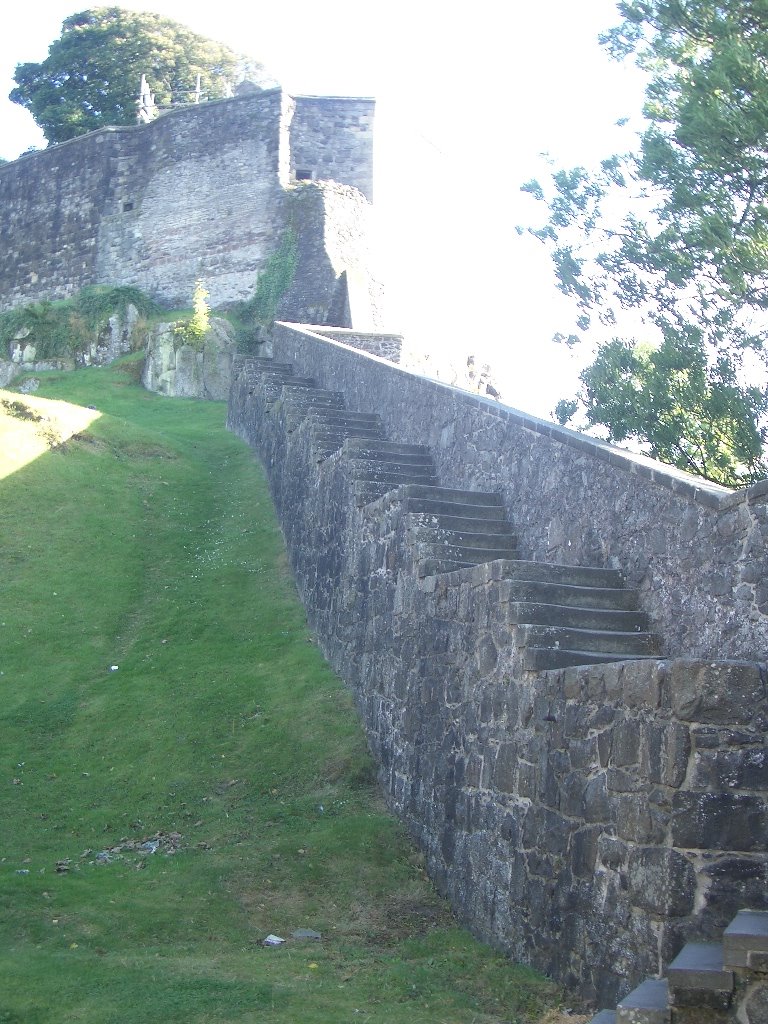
(303, 175)
(127, 207)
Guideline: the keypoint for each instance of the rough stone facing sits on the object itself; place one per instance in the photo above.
(202, 192)
(586, 820)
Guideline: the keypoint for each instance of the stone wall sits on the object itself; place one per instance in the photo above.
(332, 140)
(697, 551)
(199, 193)
(375, 343)
(586, 820)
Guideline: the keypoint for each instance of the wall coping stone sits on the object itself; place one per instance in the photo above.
(684, 484)
(117, 129)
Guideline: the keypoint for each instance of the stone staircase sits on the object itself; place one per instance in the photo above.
(707, 983)
(562, 615)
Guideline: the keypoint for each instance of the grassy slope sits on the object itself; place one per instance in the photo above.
(148, 542)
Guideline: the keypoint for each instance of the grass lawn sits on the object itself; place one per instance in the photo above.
(181, 774)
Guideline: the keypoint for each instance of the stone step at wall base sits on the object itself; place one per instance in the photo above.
(392, 478)
(605, 619)
(571, 575)
(299, 386)
(565, 594)
(647, 1004)
(455, 539)
(277, 381)
(606, 641)
(437, 567)
(464, 539)
(322, 432)
(453, 494)
(459, 526)
(390, 446)
(745, 941)
(543, 659)
(389, 459)
(391, 465)
(310, 403)
(699, 967)
(338, 417)
(469, 554)
(267, 363)
(462, 509)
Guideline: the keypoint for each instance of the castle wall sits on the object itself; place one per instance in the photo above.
(199, 193)
(332, 139)
(698, 552)
(588, 820)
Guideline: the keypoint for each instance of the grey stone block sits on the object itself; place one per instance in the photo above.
(745, 940)
(647, 1004)
(699, 965)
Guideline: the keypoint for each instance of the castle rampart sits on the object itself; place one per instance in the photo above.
(202, 192)
(588, 819)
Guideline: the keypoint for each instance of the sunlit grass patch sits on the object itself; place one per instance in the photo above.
(30, 426)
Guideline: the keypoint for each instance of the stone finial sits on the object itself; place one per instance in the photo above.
(147, 108)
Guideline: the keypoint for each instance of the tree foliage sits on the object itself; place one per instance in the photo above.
(92, 73)
(692, 255)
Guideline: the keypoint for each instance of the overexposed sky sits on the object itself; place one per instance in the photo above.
(468, 97)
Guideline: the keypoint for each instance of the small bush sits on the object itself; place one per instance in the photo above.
(194, 330)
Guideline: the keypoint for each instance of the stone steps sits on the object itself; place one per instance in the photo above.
(603, 641)
(571, 595)
(561, 615)
(546, 614)
(542, 659)
(459, 526)
(707, 982)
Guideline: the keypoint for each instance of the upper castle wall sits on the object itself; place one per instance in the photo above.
(199, 193)
(332, 138)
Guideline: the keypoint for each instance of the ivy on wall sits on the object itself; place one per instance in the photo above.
(273, 282)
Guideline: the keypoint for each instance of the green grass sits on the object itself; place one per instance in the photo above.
(148, 542)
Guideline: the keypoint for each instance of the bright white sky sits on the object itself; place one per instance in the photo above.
(468, 97)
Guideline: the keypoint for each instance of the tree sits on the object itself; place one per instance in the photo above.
(92, 73)
(690, 256)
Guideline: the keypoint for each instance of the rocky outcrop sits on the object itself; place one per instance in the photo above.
(182, 370)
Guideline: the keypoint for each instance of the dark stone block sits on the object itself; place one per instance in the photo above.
(612, 852)
(716, 692)
(732, 769)
(755, 1005)
(584, 851)
(504, 774)
(596, 804)
(662, 881)
(719, 821)
(625, 748)
(634, 821)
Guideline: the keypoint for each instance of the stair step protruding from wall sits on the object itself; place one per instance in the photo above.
(707, 982)
(700, 986)
(745, 941)
(549, 614)
(699, 966)
(647, 1004)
